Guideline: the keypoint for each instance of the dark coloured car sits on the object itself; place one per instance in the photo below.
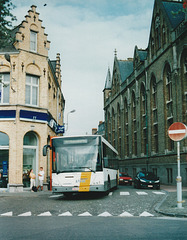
(146, 180)
(124, 178)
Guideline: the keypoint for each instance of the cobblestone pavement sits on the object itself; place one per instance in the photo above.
(168, 206)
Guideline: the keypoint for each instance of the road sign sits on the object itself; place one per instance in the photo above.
(177, 131)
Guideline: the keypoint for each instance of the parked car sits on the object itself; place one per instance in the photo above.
(146, 180)
(124, 178)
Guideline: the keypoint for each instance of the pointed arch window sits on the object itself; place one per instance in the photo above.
(126, 128)
(119, 128)
(109, 127)
(154, 116)
(163, 34)
(157, 32)
(168, 107)
(143, 119)
(184, 89)
(134, 130)
(113, 128)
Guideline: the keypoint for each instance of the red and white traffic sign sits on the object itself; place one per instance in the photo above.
(177, 131)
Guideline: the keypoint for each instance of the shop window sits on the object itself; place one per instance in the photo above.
(4, 159)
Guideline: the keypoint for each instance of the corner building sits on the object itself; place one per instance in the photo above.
(143, 96)
(31, 103)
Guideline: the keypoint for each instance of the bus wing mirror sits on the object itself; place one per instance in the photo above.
(45, 150)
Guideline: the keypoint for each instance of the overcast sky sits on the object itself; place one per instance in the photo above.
(86, 33)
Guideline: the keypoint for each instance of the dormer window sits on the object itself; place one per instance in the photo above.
(33, 41)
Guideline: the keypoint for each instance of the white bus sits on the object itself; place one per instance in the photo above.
(82, 164)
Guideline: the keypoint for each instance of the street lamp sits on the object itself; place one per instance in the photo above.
(72, 111)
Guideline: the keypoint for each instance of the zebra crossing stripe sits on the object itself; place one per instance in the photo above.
(125, 193)
(158, 193)
(65, 214)
(85, 214)
(26, 214)
(105, 214)
(146, 214)
(126, 214)
(45, 214)
(8, 214)
(142, 193)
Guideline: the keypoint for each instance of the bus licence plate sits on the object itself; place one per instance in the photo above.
(75, 189)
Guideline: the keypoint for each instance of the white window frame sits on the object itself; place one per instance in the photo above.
(33, 41)
(4, 84)
(32, 85)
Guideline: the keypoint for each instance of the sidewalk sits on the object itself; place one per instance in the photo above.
(168, 206)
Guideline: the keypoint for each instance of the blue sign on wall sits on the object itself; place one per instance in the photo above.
(5, 168)
(7, 114)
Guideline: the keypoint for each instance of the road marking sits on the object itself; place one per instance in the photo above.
(56, 196)
(124, 193)
(85, 214)
(26, 214)
(158, 192)
(65, 214)
(110, 194)
(146, 214)
(45, 214)
(8, 214)
(142, 193)
(126, 214)
(105, 214)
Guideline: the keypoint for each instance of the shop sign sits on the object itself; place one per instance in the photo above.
(54, 125)
(7, 115)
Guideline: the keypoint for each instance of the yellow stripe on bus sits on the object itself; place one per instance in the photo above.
(85, 182)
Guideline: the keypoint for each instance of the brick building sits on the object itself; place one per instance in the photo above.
(31, 102)
(143, 96)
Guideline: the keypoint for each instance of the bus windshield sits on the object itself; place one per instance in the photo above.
(76, 154)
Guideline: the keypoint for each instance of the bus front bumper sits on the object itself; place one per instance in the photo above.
(61, 189)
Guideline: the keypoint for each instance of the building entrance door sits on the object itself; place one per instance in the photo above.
(30, 157)
(4, 159)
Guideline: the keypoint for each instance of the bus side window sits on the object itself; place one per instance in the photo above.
(105, 162)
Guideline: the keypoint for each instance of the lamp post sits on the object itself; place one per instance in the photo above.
(72, 111)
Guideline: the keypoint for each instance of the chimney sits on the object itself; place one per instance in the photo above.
(57, 70)
(94, 131)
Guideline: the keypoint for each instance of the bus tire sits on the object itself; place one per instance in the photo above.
(108, 185)
(116, 185)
